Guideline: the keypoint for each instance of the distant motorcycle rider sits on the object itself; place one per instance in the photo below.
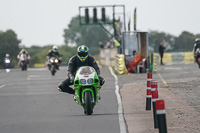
(53, 53)
(7, 61)
(23, 56)
(77, 61)
(196, 46)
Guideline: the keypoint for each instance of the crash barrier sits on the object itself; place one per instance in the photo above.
(107, 56)
(154, 59)
(172, 58)
(119, 64)
(39, 65)
(188, 57)
(158, 105)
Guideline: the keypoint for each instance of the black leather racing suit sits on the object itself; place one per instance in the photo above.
(73, 65)
(57, 55)
(53, 54)
(196, 45)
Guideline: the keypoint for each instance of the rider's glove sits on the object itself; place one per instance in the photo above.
(102, 80)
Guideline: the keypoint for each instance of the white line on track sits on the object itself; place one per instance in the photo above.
(2, 86)
(120, 111)
(164, 82)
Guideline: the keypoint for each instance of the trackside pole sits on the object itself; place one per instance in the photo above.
(154, 92)
(160, 111)
(148, 95)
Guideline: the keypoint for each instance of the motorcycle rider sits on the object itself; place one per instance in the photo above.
(53, 53)
(23, 56)
(82, 59)
(196, 45)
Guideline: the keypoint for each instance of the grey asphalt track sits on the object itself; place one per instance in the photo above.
(31, 103)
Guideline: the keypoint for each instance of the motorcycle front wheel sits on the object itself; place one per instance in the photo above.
(53, 70)
(198, 61)
(88, 103)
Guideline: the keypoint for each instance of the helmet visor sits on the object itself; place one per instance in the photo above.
(55, 49)
(82, 54)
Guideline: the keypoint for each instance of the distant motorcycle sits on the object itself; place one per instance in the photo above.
(7, 64)
(23, 61)
(23, 65)
(198, 57)
(53, 66)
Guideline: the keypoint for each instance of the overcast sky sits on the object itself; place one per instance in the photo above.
(41, 22)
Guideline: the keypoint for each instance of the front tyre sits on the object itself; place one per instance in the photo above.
(25, 67)
(53, 70)
(88, 103)
(198, 61)
(52, 73)
(22, 67)
(198, 64)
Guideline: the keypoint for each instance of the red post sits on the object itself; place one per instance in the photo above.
(148, 95)
(160, 111)
(154, 86)
(154, 99)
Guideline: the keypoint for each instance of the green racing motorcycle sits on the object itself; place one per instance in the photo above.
(86, 86)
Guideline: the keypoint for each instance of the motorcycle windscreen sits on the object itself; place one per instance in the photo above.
(86, 70)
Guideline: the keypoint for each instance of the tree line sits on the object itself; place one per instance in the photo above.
(75, 35)
(9, 44)
(183, 43)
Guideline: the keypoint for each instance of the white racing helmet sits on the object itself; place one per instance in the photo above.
(7, 55)
(197, 40)
(55, 48)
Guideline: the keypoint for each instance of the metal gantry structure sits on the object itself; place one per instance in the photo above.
(103, 21)
(130, 40)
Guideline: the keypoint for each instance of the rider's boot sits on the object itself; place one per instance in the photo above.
(64, 87)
